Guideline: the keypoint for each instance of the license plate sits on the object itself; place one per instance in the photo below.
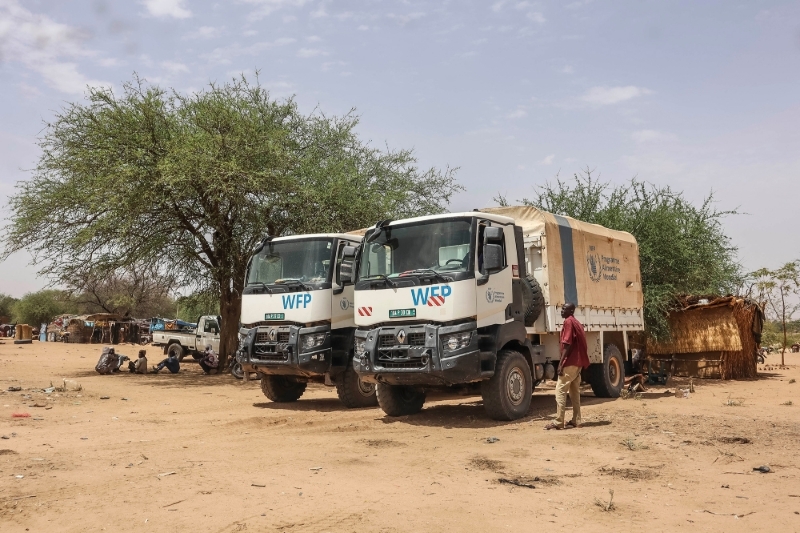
(274, 316)
(402, 313)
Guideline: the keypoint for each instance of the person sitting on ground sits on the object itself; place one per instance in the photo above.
(172, 364)
(210, 361)
(140, 365)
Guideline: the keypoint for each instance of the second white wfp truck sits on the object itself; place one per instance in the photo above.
(297, 318)
(471, 301)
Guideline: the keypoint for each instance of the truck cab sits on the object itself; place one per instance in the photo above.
(297, 318)
(471, 301)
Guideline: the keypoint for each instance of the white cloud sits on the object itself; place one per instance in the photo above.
(363, 27)
(548, 160)
(224, 54)
(203, 32)
(405, 19)
(498, 6)
(311, 52)
(167, 8)
(264, 8)
(174, 66)
(44, 46)
(567, 69)
(536, 16)
(613, 95)
(519, 113)
(313, 38)
(644, 136)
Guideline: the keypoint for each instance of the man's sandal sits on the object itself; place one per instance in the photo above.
(553, 425)
(574, 425)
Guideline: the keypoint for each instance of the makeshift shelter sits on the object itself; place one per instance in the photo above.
(101, 328)
(712, 338)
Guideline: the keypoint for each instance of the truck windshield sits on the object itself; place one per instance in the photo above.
(307, 260)
(441, 246)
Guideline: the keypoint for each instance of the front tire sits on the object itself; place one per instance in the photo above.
(236, 370)
(399, 400)
(608, 378)
(282, 389)
(353, 392)
(507, 394)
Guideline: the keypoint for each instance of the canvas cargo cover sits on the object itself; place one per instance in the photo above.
(585, 264)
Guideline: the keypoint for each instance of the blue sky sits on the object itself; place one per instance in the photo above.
(697, 95)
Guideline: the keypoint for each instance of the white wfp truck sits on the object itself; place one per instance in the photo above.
(181, 342)
(471, 301)
(297, 318)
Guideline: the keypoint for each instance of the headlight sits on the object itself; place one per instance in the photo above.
(312, 340)
(360, 346)
(456, 341)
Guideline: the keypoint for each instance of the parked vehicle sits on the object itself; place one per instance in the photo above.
(181, 338)
(470, 301)
(297, 318)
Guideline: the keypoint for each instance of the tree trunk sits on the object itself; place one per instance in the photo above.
(230, 308)
(783, 317)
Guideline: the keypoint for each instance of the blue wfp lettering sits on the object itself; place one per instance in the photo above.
(420, 296)
(291, 301)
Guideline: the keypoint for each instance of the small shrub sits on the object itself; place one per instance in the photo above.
(633, 445)
(789, 402)
(606, 506)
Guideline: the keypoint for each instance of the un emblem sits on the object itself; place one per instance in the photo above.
(344, 303)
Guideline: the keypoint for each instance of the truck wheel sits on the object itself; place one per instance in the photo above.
(532, 299)
(399, 400)
(607, 378)
(507, 394)
(282, 389)
(353, 392)
(175, 350)
(236, 370)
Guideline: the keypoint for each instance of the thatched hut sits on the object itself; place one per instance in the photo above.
(712, 338)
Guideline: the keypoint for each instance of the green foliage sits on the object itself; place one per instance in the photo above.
(36, 308)
(189, 184)
(777, 292)
(189, 308)
(682, 247)
(6, 305)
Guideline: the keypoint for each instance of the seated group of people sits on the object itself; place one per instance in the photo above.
(111, 362)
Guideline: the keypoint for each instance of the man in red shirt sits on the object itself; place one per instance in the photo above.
(574, 358)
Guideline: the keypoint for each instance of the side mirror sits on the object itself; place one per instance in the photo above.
(348, 262)
(492, 258)
(493, 234)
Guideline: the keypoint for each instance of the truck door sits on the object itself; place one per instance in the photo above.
(342, 297)
(494, 292)
(208, 333)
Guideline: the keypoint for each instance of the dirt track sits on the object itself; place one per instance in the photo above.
(190, 452)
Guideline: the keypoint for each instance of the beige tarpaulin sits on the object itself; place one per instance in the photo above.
(586, 264)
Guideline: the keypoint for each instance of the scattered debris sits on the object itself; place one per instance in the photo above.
(516, 482)
(166, 474)
(728, 514)
(492, 440)
(104, 397)
(788, 402)
(315, 468)
(484, 463)
(606, 506)
(764, 469)
(6, 451)
(734, 440)
(792, 380)
(632, 474)
(20, 415)
(256, 485)
(174, 503)
(14, 389)
(382, 443)
(634, 445)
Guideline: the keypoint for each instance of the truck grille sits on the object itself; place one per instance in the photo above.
(400, 359)
(268, 352)
(262, 337)
(413, 339)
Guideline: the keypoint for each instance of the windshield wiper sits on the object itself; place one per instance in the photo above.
(263, 286)
(423, 271)
(383, 277)
(295, 283)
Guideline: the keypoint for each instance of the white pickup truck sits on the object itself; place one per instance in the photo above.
(192, 342)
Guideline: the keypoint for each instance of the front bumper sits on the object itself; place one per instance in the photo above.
(416, 356)
(277, 350)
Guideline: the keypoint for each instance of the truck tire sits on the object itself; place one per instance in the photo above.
(608, 378)
(532, 299)
(282, 389)
(353, 392)
(507, 394)
(175, 350)
(236, 369)
(399, 400)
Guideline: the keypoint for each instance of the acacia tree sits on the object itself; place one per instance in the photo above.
(191, 183)
(683, 248)
(138, 290)
(777, 291)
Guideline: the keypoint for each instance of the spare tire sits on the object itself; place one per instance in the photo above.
(532, 299)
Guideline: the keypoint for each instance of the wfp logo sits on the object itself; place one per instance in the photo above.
(593, 264)
(296, 301)
(432, 296)
(344, 304)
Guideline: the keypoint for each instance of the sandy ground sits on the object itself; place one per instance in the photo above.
(190, 452)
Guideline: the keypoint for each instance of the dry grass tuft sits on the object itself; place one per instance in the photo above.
(633, 444)
(606, 506)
